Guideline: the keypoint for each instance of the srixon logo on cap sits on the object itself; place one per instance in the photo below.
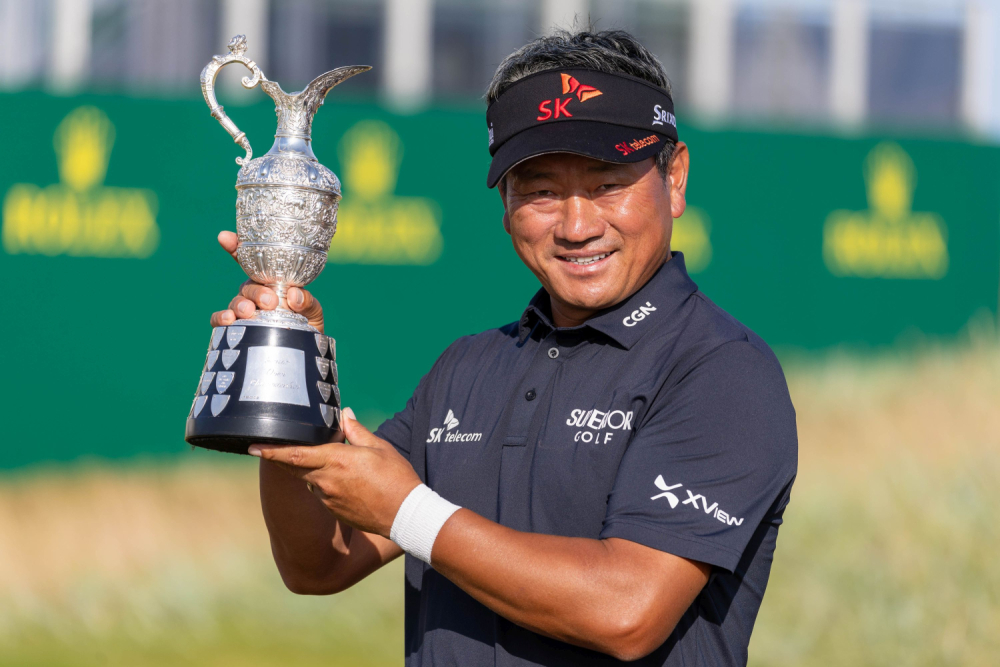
(556, 107)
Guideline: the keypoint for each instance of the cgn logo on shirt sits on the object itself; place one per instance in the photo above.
(638, 315)
(692, 500)
(450, 422)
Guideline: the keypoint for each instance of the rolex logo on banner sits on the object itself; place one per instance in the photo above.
(374, 226)
(890, 239)
(80, 215)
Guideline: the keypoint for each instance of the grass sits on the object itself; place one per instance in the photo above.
(887, 557)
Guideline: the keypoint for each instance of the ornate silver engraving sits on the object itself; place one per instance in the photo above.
(229, 358)
(235, 335)
(223, 380)
(328, 413)
(199, 405)
(333, 348)
(333, 371)
(206, 381)
(324, 366)
(213, 356)
(287, 201)
(322, 343)
(219, 402)
(217, 334)
(324, 390)
(275, 374)
(285, 319)
(336, 395)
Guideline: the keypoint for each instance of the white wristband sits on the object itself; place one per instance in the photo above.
(419, 520)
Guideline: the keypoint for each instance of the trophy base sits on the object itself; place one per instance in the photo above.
(268, 380)
(235, 435)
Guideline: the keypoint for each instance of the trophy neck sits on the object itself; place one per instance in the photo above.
(292, 145)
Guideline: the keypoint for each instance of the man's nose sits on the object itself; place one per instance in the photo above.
(580, 220)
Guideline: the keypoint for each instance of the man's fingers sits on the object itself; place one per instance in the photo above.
(303, 459)
(223, 318)
(242, 307)
(304, 303)
(263, 297)
(229, 242)
(357, 434)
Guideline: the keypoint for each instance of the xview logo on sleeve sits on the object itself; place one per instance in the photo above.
(638, 315)
(692, 500)
(450, 422)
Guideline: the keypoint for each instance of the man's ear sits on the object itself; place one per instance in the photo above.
(677, 177)
(502, 191)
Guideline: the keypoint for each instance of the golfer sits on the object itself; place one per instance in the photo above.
(601, 480)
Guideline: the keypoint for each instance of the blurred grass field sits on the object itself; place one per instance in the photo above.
(888, 555)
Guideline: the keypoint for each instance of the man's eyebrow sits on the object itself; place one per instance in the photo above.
(604, 166)
(533, 175)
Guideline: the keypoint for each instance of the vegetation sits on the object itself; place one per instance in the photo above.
(887, 555)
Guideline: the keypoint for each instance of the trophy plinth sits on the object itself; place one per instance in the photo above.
(273, 378)
(265, 382)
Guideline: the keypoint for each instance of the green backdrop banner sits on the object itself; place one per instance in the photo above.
(111, 205)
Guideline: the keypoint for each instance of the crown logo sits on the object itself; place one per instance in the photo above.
(371, 154)
(83, 144)
(890, 178)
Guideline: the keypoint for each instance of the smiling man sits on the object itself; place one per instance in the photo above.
(602, 480)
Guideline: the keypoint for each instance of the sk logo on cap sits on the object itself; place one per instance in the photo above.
(583, 93)
(555, 108)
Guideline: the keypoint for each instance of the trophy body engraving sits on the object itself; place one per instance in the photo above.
(286, 216)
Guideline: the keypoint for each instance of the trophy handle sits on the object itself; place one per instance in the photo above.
(237, 47)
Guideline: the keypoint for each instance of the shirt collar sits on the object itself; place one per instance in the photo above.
(624, 322)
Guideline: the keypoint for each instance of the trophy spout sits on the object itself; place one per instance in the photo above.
(296, 110)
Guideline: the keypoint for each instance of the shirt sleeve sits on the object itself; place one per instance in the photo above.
(398, 429)
(712, 458)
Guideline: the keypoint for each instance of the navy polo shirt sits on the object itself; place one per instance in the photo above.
(661, 420)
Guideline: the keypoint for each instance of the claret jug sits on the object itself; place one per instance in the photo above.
(273, 377)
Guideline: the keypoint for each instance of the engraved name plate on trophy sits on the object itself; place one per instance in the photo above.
(273, 377)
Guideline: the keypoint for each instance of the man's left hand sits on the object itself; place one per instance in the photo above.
(363, 483)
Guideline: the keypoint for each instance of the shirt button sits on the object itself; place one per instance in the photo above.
(530, 395)
(553, 353)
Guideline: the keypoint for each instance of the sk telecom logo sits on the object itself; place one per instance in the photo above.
(556, 108)
(450, 422)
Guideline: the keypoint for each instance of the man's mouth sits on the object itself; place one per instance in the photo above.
(584, 261)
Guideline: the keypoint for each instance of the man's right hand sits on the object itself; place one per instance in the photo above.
(253, 296)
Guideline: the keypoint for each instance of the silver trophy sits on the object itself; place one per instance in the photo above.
(273, 377)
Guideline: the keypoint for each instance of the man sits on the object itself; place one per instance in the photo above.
(602, 480)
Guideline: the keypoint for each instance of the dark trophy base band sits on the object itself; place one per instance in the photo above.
(235, 435)
(265, 384)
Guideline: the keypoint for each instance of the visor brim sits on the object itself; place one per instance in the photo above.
(592, 139)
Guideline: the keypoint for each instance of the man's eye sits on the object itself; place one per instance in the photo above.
(543, 193)
(604, 187)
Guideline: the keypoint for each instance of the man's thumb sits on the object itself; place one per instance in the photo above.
(356, 432)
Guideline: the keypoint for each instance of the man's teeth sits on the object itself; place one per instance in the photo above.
(583, 261)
